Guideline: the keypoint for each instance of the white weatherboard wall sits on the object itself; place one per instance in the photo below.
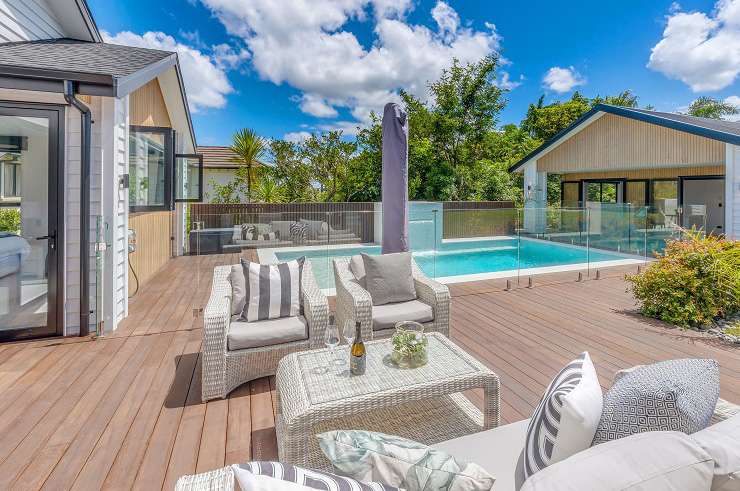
(115, 129)
(27, 20)
(732, 191)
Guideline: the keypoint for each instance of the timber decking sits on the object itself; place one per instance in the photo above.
(124, 411)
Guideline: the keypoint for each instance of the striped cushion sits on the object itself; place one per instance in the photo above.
(298, 475)
(248, 231)
(566, 419)
(298, 232)
(272, 290)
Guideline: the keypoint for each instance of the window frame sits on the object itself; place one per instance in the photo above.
(198, 156)
(169, 166)
(580, 192)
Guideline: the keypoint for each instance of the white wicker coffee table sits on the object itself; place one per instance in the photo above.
(424, 404)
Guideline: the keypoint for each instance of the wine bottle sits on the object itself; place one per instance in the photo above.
(357, 353)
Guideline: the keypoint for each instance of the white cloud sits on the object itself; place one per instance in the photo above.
(297, 136)
(562, 80)
(702, 50)
(228, 58)
(204, 76)
(505, 82)
(313, 51)
(735, 101)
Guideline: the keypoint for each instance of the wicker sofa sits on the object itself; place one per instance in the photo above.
(224, 369)
(355, 304)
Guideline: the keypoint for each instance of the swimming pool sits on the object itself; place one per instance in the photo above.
(466, 260)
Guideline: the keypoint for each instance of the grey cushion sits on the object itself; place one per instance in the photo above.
(722, 443)
(238, 289)
(674, 395)
(282, 227)
(270, 332)
(649, 461)
(496, 450)
(386, 316)
(316, 228)
(357, 267)
(389, 278)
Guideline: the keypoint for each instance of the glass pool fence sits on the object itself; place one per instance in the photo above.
(450, 245)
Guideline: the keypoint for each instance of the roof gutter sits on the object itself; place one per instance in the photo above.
(85, 171)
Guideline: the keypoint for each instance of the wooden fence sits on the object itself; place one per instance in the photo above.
(465, 219)
(356, 217)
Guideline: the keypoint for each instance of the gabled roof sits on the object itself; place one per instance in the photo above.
(218, 157)
(725, 131)
(99, 68)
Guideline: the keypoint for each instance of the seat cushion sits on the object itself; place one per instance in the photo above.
(721, 442)
(269, 332)
(658, 460)
(386, 316)
(389, 277)
(497, 451)
(673, 395)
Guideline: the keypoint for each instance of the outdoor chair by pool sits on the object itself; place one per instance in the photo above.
(354, 303)
(235, 352)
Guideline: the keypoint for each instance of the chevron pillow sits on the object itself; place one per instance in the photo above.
(566, 419)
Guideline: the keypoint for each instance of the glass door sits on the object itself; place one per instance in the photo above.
(28, 222)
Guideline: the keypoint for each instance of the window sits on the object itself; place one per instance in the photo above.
(188, 177)
(150, 168)
(570, 194)
(602, 191)
(664, 196)
(636, 193)
(10, 177)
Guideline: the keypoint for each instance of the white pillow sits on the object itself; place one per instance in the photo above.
(566, 419)
(722, 442)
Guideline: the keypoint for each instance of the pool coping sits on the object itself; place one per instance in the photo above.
(267, 256)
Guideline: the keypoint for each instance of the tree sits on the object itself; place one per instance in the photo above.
(249, 149)
(290, 172)
(268, 190)
(707, 107)
(327, 157)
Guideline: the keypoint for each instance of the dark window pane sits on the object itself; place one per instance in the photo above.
(147, 169)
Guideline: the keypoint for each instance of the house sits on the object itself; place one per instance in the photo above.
(686, 168)
(98, 159)
(219, 168)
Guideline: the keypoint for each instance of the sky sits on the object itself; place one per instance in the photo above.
(288, 68)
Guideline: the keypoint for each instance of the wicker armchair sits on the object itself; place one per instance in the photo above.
(223, 370)
(354, 302)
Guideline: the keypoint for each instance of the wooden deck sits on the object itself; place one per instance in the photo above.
(124, 411)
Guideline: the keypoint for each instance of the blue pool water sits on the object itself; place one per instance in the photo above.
(462, 258)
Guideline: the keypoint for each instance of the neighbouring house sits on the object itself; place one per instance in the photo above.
(98, 159)
(687, 169)
(219, 168)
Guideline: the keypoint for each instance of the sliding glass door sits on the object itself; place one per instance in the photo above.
(29, 216)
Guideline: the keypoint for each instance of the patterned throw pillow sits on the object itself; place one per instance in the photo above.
(308, 478)
(566, 419)
(272, 290)
(298, 232)
(370, 456)
(248, 231)
(674, 395)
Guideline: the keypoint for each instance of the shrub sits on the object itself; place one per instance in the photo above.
(694, 281)
(10, 220)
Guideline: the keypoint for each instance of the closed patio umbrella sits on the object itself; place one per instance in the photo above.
(395, 179)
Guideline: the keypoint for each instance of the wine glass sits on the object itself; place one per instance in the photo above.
(349, 334)
(331, 340)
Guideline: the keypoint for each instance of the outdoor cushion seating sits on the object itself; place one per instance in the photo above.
(268, 332)
(224, 369)
(386, 316)
(354, 303)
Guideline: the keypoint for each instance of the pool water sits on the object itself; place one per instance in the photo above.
(462, 258)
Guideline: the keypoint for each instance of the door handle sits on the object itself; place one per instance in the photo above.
(52, 238)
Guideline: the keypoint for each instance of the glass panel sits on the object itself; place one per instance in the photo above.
(188, 176)
(147, 169)
(664, 195)
(571, 198)
(636, 193)
(593, 191)
(608, 192)
(24, 222)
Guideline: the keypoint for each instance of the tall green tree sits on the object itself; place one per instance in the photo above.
(327, 156)
(249, 149)
(707, 107)
(290, 171)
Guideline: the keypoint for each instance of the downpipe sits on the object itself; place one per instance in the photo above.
(85, 170)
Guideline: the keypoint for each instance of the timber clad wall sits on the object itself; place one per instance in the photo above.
(27, 20)
(147, 107)
(153, 247)
(616, 143)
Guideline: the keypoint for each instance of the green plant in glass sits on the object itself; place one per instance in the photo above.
(409, 345)
(10, 220)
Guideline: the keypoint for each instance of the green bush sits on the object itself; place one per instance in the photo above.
(694, 281)
(10, 220)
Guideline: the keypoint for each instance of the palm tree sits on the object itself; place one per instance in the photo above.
(249, 148)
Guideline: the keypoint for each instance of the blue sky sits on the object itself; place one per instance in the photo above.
(289, 67)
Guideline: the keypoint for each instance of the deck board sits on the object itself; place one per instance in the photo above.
(124, 411)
